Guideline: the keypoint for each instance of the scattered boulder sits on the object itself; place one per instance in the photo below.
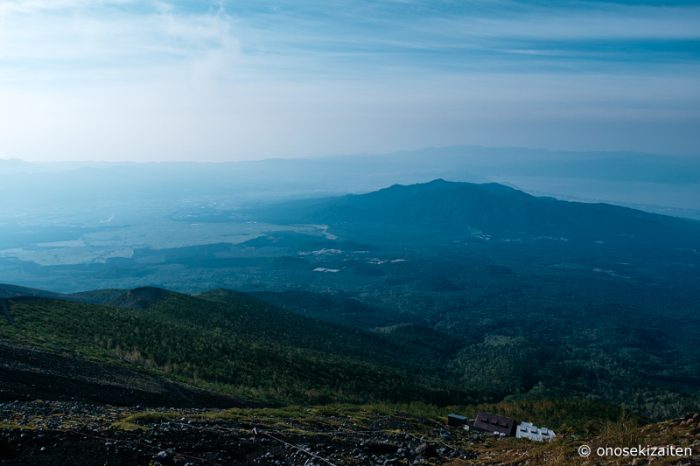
(165, 456)
(427, 450)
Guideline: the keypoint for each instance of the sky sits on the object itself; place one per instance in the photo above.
(126, 80)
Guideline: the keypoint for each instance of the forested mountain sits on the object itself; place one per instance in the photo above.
(456, 210)
(223, 341)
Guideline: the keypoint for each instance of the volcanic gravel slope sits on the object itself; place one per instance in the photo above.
(27, 374)
(57, 433)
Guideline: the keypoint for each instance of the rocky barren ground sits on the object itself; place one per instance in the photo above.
(56, 433)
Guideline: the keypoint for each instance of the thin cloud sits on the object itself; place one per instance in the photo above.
(246, 79)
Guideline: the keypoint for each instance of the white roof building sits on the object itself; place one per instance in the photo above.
(530, 431)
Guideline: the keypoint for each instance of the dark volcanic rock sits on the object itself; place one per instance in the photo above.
(381, 448)
(427, 450)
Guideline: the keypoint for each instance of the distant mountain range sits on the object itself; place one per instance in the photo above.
(417, 165)
(654, 182)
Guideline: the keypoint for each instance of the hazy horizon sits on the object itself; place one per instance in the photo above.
(339, 155)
